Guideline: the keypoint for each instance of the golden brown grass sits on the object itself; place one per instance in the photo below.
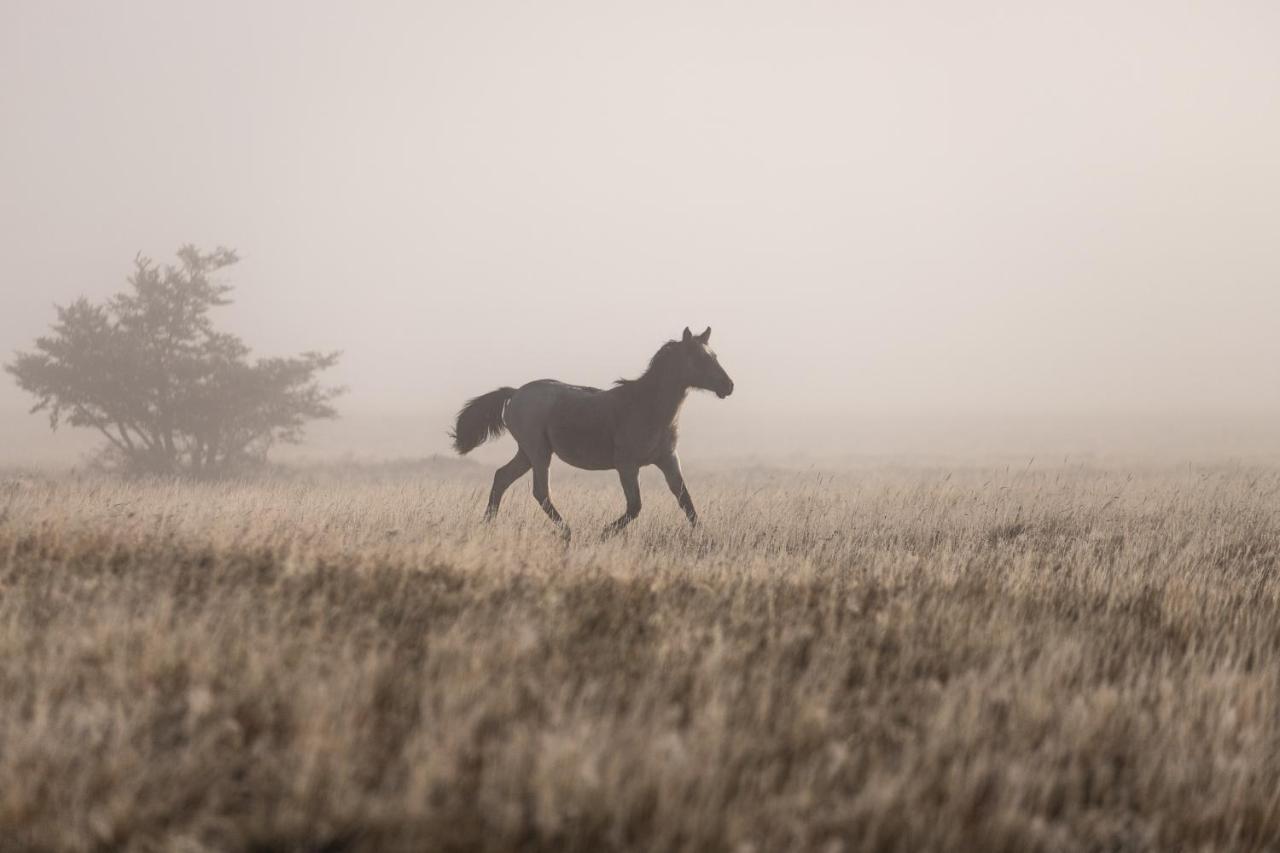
(986, 659)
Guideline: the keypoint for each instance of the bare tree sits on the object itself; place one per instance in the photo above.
(171, 394)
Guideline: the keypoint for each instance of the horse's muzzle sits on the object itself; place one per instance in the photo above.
(724, 392)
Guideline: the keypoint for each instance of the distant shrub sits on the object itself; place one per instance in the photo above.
(170, 393)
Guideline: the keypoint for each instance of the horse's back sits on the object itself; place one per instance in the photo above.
(542, 395)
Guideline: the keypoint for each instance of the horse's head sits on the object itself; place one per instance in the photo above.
(701, 367)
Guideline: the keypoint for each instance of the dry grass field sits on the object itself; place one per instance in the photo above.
(894, 658)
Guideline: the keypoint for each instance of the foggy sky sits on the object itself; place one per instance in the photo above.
(897, 207)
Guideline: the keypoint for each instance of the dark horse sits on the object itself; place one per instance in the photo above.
(629, 425)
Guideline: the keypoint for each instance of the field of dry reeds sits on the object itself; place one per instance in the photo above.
(892, 658)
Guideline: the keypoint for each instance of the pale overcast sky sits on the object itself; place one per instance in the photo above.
(879, 206)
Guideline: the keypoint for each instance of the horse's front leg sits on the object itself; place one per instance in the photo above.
(630, 478)
(670, 468)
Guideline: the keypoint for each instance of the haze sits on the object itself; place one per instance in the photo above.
(894, 211)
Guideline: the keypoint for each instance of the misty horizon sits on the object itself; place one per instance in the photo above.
(891, 215)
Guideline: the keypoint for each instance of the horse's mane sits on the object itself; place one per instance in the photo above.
(657, 364)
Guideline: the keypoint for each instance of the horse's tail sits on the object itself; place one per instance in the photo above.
(480, 420)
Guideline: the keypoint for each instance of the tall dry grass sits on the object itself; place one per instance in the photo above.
(896, 659)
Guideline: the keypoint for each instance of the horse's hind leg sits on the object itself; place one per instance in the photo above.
(502, 480)
(630, 478)
(542, 494)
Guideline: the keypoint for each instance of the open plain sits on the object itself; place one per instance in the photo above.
(895, 657)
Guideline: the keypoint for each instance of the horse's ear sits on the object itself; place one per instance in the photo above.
(688, 335)
(705, 336)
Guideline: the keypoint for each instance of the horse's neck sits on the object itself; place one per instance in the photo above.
(665, 399)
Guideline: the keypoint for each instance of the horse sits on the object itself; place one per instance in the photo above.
(625, 427)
